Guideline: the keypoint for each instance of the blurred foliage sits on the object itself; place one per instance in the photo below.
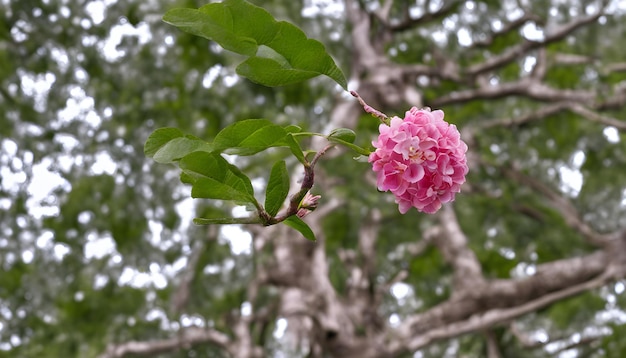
(93, 254)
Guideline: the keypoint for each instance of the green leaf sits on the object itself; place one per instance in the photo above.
(295, 148)
(304, 54)
(249, 136)
(159, 138)
(268, 72)
(344, 134)
(213, 22)
(354, 147)
(279, 52)
(213, 177)
(180, 147)
(296, 223)
(292, 128)
(277, 188)
(186, 178)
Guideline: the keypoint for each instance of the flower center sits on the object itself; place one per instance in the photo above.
(419, 156)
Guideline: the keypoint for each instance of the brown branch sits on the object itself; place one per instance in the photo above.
(524, 339)
(526, 46)
(188, 336)
(499, 301)
(453, 246)
(581, 342)
(428, 16)
(571, 59)
(615, 67)
(614, 102)
(527, 342)
(561, 204)
(596, 117)
(385, 11)
(498, 316)
(493, 351)
(513, 25)
(541, 66)
(366, 53)
(180, 298)
(490, 92)
(529, 87)
(539, 114)
(551, 109)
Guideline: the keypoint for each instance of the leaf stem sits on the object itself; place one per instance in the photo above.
(308, 134)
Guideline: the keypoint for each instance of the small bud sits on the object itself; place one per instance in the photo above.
(308, 204)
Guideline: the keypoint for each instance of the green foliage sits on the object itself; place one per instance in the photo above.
(427, 275)
(296, 223)
(278, 52)
(167, 145)
(249, 137)
(54, 301)
(346, 137)
(342, 134)
(277, 188)
(212, 177)
(612, 347)
(576, 310)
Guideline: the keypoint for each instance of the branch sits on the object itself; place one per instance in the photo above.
(513, 25)
(541, 113)
(409, 23)
(615, 67)
(529, 343)
(367, 55)
(368, 235)
(188, 336)
(494, 317)
(180, 298)
(575, 344)
(453, 246)
(571, 59)
(526, 46)
(524, 339)
(596, 117)
(493, 351)
(561, 204)
(529, 87)
(385, 11)
(615, 102)
(499, 301)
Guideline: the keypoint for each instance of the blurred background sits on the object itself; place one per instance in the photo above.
(99, 257)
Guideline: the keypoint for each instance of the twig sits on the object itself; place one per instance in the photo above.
(369, 109)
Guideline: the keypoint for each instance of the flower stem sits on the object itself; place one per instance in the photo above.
(371, 110)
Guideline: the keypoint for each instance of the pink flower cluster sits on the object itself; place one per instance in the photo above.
(420, 159)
